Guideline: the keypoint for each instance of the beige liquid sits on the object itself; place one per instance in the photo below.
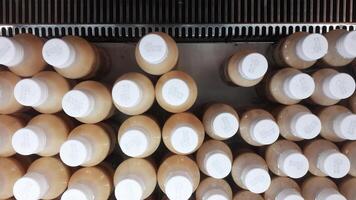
(183, 133)
(46, 178)
(88, 102)
(176, 91)
(220, 121)
(8, 103)
(8, 126)
(156, 53)
(44, 91)
(258, 127)
(347, 188)
(10, 170)
(320, 188)
(134, 179)
(133, 93)
(210, 189)
(139, 136)
(349, 149)
(352, 102)
(247, 195)
(283, 188)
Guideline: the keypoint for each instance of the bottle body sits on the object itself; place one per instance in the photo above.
(349, 149)
(283, 188)
(10, 170)
(211, 188)
(347, 188)
(8, 126)
(247, 195)
(318, 188)
(352, 102)
(8, 103)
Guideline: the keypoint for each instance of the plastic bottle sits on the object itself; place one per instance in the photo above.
(288, 86)
(247, 195)
(285, 158)
(89, 183)
(331, 87)
(349, 149)
(320, 188)
(297, 122)
(8, 126)
(176, 91)
(220, 121)
(213, 189)
(44, 91)
(214, 159)
(46, 178)
(178, 177)
(283, 188)
(352, 102)
(156, 53)
(10, 170)
(139, 136)
(74, 57)
(22, 54)
(250, 172)
(325, 159)
(88, 102)
(8, 103)
(341, 50)
(258, 127)
(300, 50)
(183, 133)
(347, 188)
(246, 68)
(134, 179)
(43, 135)
(88, 145)
(133, 93)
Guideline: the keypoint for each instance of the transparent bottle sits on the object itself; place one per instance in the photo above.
(134, 179)
(139, 136)
(349, 149)
(213, 189)
(247, 195)
(258, 127)
(331, 86)
(325, 159)
(89, 183)
(214, 159)
(46, 178)
(285, 158)
(250, 172)
(22, 54)
(297, 122)
(88, 145)
(178, 177)
(8, 126)
(88, 102)
(320, 188)
(176, 91)
(133, 93)
(347, 188)
(8, 103)
(183, 133)
(43, 135)
(220, 121)
(156, 53)
(74, 57)
(300, 50)
(246, 68)
(44, 91)
(283, 188)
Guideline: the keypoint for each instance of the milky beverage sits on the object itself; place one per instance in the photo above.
(347, 188)
(8, 126)
(8, 103)
(321, 188)
(213, 189)
(283, 188)
(247, 195)
(349, 149)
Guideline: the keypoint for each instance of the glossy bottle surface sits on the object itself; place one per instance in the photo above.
(349, 149)
(247, 195)
(213, 189)
(10, 171)
(8, 103)
(347, 188)
(320, 188)
(8, 126)
(283, 188)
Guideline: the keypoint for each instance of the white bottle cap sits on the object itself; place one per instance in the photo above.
(215, 194)
(299, 86)
(153, 48)
(129, 189)
(184, 139)
(345, 126)
(289, 194)
(78, 103)
(312, 47)
(253, 66)
(255, 179)
(76, 151)
(293, 164)
(333, 163)
(217, 165)
(29, 140)
(175, 92)
(178, 187)
(339, 86)
(58, 53)
(134, 142)
(32, 186)
(127, 93)
(31, 92)
(305, 125)
(225, 125)
(345, 45)
(264, 131)
(329, 194)
(78, 192)
(11, 52)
